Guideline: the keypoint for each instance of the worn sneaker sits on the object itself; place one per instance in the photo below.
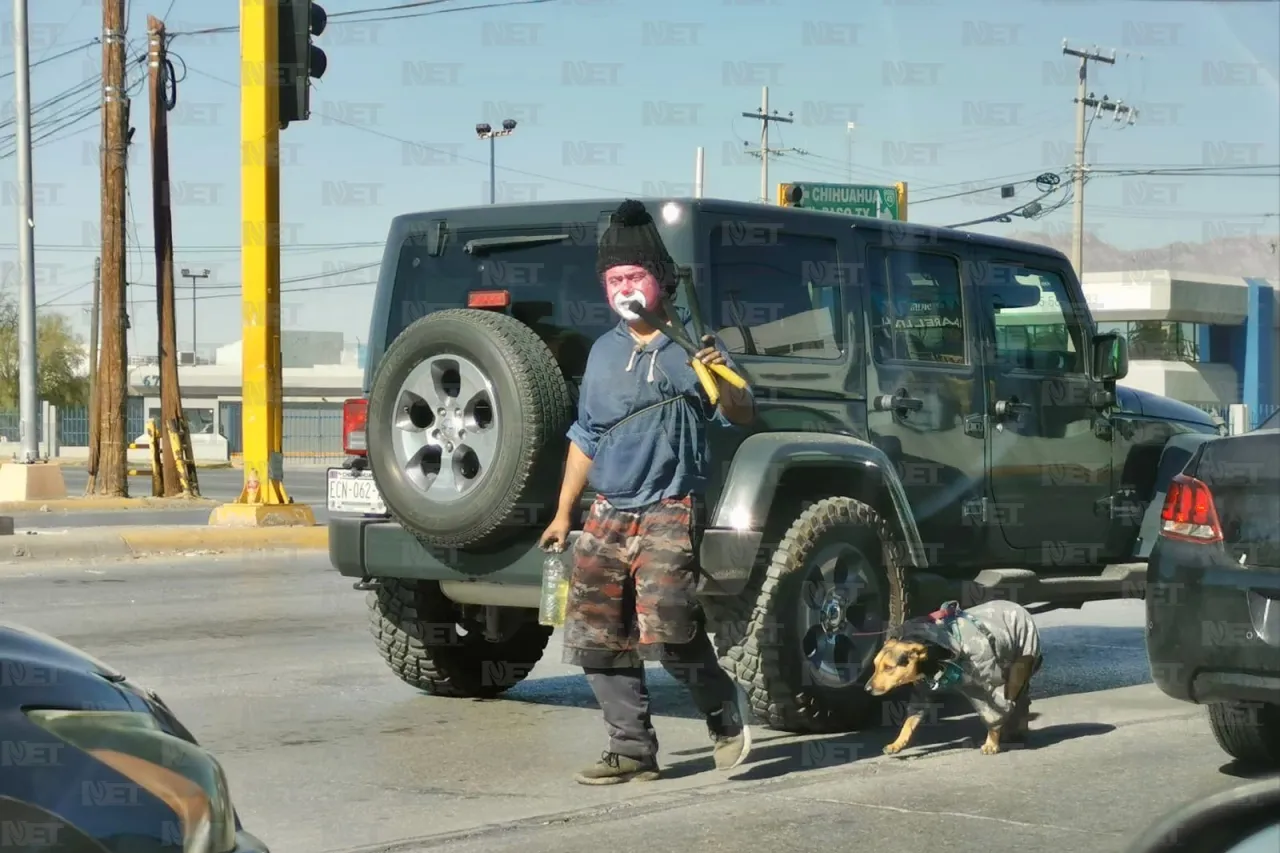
(614, 769)
(732, 737)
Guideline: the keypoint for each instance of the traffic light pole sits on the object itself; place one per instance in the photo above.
(263, 500)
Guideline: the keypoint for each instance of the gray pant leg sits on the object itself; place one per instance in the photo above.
(696, 666)
(624, 700)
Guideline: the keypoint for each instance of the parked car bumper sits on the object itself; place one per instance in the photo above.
(1213, 626)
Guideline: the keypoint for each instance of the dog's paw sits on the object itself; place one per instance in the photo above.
(894, 748)
(990, 748)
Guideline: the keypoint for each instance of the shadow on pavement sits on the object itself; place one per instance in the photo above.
(1240, 770)
(1077, 659)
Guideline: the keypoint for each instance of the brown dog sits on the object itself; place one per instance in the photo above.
(986, 654)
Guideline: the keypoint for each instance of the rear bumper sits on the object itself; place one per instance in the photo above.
(377, 548)
(1213, 626)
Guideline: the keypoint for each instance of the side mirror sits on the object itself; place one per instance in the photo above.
(1245, 819)
(1110, 357)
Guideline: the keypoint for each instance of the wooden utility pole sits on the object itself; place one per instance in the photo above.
(111, 477)
(95, 322)
(162, 221)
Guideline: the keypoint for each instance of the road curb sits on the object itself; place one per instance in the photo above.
(148, 542)
(87, 504)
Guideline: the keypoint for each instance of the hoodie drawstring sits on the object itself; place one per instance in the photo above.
(636, 352)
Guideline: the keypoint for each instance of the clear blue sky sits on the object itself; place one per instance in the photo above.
(974, 93)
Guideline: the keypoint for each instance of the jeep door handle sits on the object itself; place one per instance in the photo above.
(898, 402)
(1011, 408)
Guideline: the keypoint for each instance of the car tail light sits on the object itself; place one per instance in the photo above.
(489, 299)
(1189, 513)
(355, 417)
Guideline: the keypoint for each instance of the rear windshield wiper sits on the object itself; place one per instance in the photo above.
(485, 245)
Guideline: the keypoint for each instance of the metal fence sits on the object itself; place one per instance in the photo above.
(1257, 414)
(312, 431)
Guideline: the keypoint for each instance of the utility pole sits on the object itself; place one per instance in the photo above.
(851, 127)
(1077, 231)
(27, 389)
(95, 323)
(765, 118)
(699, 171)
(162, 221)
(112, 475)
(186, 273)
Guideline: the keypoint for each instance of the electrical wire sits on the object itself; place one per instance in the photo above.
(90, 43)
(351, 16)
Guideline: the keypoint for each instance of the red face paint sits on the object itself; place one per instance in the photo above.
(629, 283)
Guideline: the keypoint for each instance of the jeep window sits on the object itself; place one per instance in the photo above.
(917, 312)
(777, 298)
(1043, 337)
(553, 287)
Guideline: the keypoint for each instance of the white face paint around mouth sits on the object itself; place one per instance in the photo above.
(622, 304)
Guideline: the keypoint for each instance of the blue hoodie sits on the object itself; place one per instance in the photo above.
(642, 419)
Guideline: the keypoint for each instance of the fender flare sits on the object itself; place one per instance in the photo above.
(1177, 452)
(761, 460)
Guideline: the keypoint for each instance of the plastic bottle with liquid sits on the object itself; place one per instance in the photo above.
(554, 599)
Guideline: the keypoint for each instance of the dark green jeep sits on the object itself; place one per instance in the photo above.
(938, 418)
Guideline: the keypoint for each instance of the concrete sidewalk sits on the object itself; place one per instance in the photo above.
(105, 504)
(28, 546)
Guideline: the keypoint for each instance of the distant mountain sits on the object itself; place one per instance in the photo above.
(1242, 256)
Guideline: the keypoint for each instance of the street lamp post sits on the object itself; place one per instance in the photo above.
(484, 131)
(186, 273)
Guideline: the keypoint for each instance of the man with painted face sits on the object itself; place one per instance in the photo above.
(640, 440)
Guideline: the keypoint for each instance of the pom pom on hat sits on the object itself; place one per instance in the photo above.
(632, 214)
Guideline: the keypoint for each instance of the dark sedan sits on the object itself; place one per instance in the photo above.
(93, 763)
(1213, 591)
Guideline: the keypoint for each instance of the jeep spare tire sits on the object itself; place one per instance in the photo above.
(466, 432)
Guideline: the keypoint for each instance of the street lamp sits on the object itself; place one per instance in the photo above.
(484, 131)
(186, 273)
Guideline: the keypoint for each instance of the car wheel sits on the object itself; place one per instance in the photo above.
(833, 588)
(467, 419)
(428, 644)
(1247, 731)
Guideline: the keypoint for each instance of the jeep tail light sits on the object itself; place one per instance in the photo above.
(355, 417)
(489, 299)
(1189, 513)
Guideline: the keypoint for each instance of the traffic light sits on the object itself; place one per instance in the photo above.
(790, 195)
(298, 58)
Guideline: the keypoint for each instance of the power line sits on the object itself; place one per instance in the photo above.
(350, 16)
(311, 289)
(90, 43)
(222, 247)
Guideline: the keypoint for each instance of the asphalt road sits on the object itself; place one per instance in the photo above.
(304, 485)
(271, 665)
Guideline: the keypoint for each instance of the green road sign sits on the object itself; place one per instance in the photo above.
(856, 199)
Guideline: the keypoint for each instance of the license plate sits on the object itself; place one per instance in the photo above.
(354, 491)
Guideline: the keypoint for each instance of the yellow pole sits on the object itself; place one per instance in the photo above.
(902, 200)
(263, 499)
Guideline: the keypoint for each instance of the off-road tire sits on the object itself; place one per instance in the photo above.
(415, 628)
(535, 409)
(1247, 732)
(759, 647)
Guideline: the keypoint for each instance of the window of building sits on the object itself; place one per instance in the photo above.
(917, 312)
(198, 420)
(777, 298)
(1044, 337)
(1159, 340)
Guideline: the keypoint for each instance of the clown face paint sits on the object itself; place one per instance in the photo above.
(631, 283)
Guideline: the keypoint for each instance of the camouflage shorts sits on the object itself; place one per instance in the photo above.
(634, 585)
